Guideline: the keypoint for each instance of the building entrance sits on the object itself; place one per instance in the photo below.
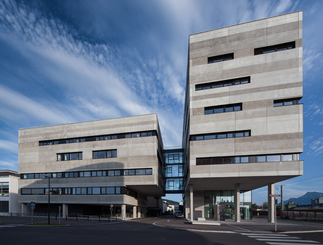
(220, 205)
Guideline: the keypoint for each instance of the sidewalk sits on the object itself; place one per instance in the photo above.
(254, 225)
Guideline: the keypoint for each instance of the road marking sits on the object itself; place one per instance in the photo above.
(286, 243)
(291, 232)
(287, 240)
(4, 226)
(279, 239)
(194, 230)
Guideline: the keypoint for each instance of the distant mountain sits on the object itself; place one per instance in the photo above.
(306, 199)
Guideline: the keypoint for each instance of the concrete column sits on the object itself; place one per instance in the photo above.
(65, 210)
(237, 202)
(139, 212)
(24, 208)
(191, 203)
(271, 203)
(143, 212)
(134, 212)
(123, 211)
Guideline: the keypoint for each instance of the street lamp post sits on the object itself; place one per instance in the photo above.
(48, 176)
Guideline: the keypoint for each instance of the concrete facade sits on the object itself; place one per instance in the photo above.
(137, 153)
(9, 200)
(274, 130)
(242, 129)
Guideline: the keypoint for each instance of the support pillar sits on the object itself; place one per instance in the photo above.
(123, 211)
(271, 203)
(191, 203)
(65, 210)
(134, 212)
(24, 208)
(139, 212)
(237, 202)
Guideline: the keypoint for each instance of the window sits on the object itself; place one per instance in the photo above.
(220, 58)
(273, 158)
(110, 190)
(222, 108)
(104, 154)
(223, 135)
(140, 171)
(223, 83)
(4, 189)
(274, 48)
(149, 171)
(244, 159)
(96, 190)
(286, 102)
(98, 138)
(69, 156)
(98, 173)
(288, 157)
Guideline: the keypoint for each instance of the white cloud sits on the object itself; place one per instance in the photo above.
(8, 146)
(18, 107)
(8, 165)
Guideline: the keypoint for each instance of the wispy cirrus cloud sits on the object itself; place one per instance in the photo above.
(9, 146)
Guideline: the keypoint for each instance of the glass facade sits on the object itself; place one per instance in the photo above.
(4, 189)
(173, 170)
(226, 202)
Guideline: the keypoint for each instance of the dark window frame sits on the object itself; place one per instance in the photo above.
(103, 154)
(244, 159)
(67, 156)
(220, 58)
(286, 102)
(222, 108)
(98, 138)
(223, 83)
(274, 48)
(221, 135)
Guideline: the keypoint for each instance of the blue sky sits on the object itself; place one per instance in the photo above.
(72, 61)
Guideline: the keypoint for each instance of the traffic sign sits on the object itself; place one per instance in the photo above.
(275, 195)
(32, 205)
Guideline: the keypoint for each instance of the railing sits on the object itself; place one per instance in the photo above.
(75, 217)
(303, 215)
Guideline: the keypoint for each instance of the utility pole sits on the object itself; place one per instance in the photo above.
(48, 176)
(281, 198)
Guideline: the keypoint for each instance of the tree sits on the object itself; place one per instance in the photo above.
(254, 206)
(265, 205)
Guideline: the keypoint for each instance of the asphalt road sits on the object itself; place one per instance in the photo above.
(144, 231)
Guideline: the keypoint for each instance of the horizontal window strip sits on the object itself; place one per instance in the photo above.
(224, 83)
(98, 138)
(69, 156)
(220, 58)
(286, 102)
(244, 159)
(223, 135)
(81, 174)
(104, 154)
(118, 190)
(274, 48)
(222, 108)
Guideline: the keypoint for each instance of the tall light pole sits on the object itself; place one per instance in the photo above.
(281, 197)
(48, 176)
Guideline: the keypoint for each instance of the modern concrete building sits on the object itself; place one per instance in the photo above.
(242, 129)
(9, 192)
(92, 165)
(243, 125)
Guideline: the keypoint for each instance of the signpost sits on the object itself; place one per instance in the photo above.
(111, 209)
(275, 195)
(32, 207)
